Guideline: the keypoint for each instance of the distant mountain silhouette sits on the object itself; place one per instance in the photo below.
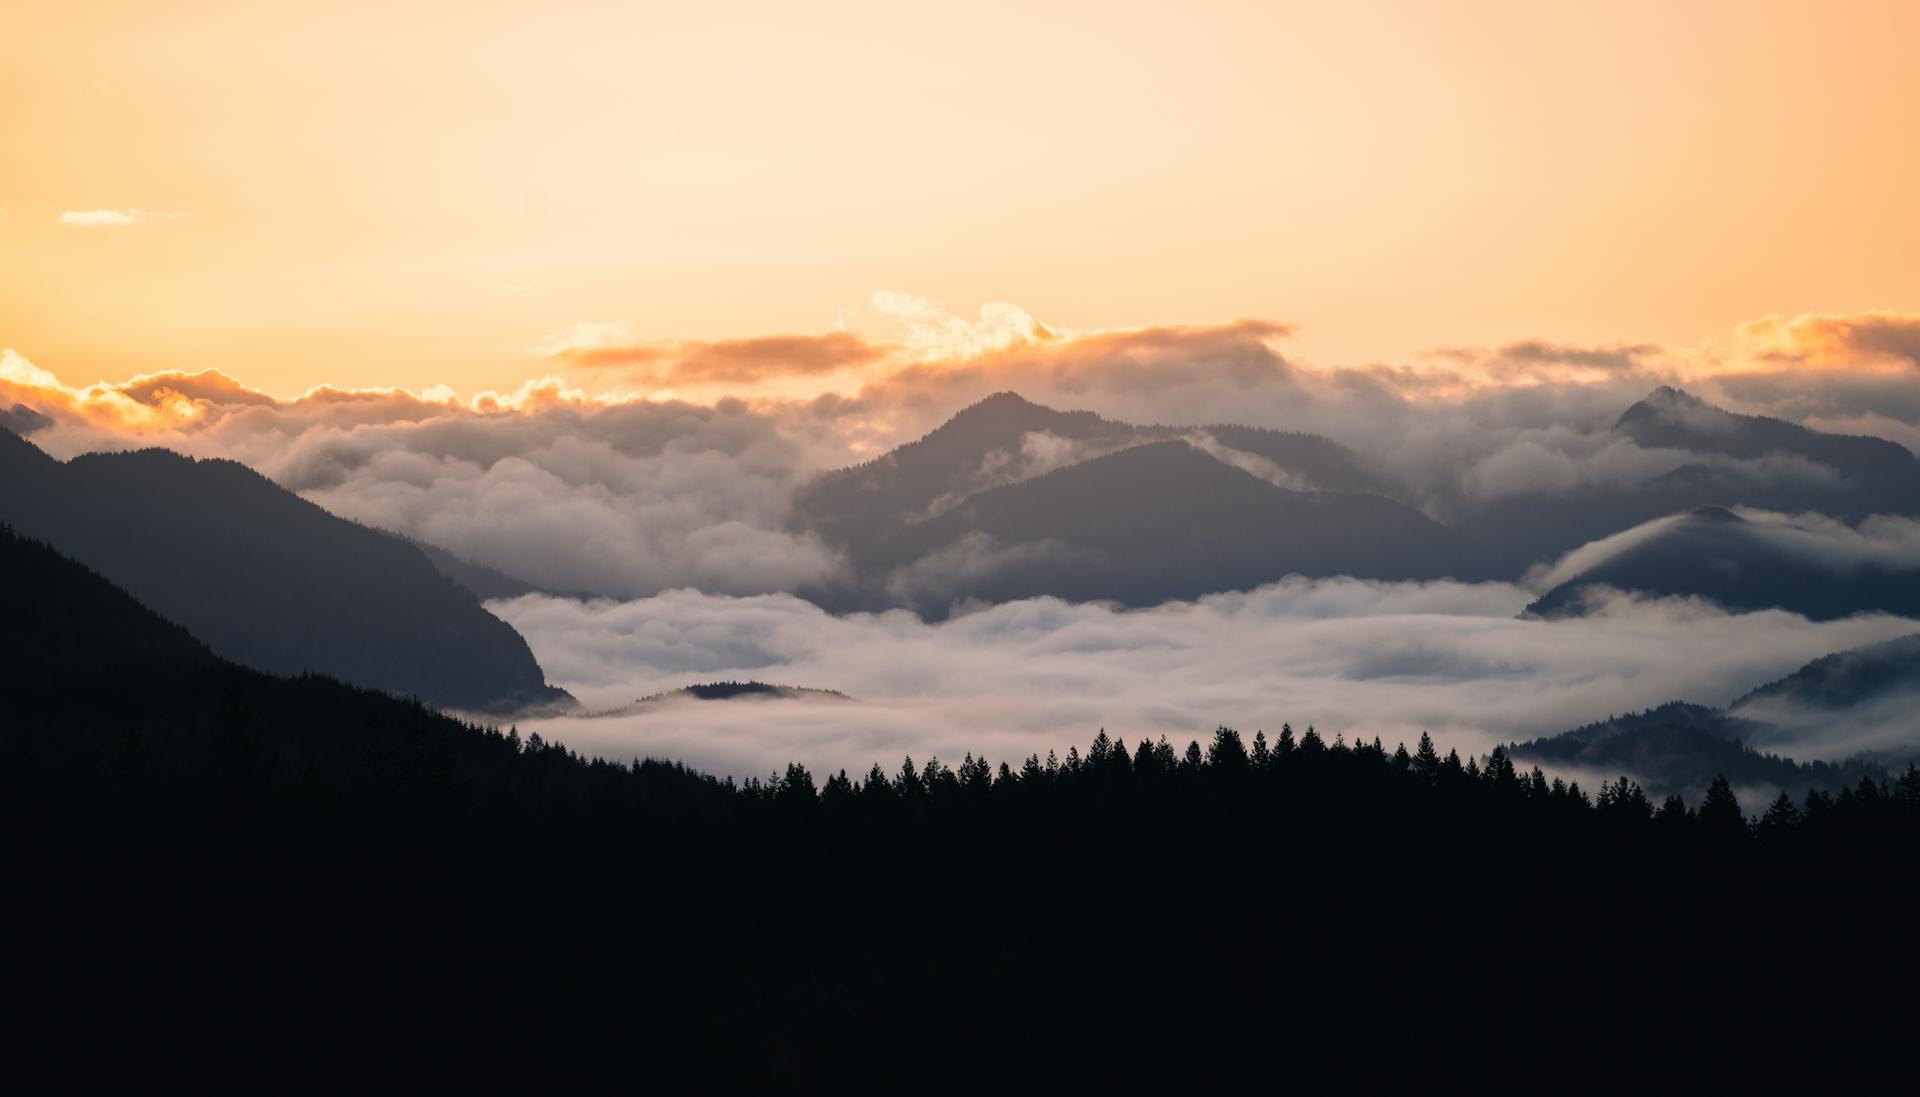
(266, 578)
(1847, 678)
(737, 691)
(1679, 747)
(23, 420)
(1010, 499)
(1669, 418)
(976, 449)
(1715, 554)
(481, 581)
(1788, 468)
(1149, 523)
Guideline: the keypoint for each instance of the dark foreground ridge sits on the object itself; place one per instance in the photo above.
(212, 866)
(269, 580)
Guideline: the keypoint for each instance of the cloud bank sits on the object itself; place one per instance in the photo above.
(1351, 657)
(592, 480)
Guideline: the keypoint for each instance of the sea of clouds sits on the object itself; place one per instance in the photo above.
(1361, 659)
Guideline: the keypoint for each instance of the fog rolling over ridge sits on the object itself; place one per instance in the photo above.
(1851, 713)
(1749, 560)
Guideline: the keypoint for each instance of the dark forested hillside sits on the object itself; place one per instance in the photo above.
(216, 867)
(1679, 748)
(1846, 678)
(266, 578)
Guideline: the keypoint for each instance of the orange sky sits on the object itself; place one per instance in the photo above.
(379, 194)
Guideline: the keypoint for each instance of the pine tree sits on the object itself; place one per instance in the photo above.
(1780, 820)
(1227, 752)
(1720, 815)
(1426, 760)
(908, 783)
(1098, 749)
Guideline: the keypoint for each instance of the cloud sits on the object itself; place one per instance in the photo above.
(1882, 725)
(730, 361)
(622, 500)
(1457, 430)
(1354, 658)
(931, 333)
(1837, 342)
(113, 218)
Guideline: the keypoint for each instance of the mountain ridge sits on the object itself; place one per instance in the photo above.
(268, 579)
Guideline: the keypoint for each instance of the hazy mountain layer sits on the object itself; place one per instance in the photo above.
(1680, 747)
(1147, 524)
(266, 578)
(1009, 499)
(1744, 460)
(1715, 554)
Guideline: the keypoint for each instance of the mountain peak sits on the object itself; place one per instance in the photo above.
(1667, 394)
(999, 408)
(1667, 404)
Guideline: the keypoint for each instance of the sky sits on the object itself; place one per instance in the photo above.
(422, 195)
(587, 293)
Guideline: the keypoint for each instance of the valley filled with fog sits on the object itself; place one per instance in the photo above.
(1350, 658)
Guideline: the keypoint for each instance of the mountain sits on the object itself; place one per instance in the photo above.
(1011, 499)
(1001, 438)
(1678, 749)
(1740, 460)
(733, 691)
(1150, 523)
(1715, 554)
(1306, 460)
(58, 615)
(1669, 418)
(1855, 704)
(479, 580)
(266, 578)
(1846, 678)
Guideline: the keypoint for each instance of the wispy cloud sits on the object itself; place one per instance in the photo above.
(729, 361)
(113, 218)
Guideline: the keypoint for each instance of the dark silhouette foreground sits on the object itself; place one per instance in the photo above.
(210, 868)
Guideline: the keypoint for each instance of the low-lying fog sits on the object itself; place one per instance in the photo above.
(1347, 656)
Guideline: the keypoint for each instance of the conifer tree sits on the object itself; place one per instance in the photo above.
(1720, 816)
(1227, 752)
(1426, 760)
